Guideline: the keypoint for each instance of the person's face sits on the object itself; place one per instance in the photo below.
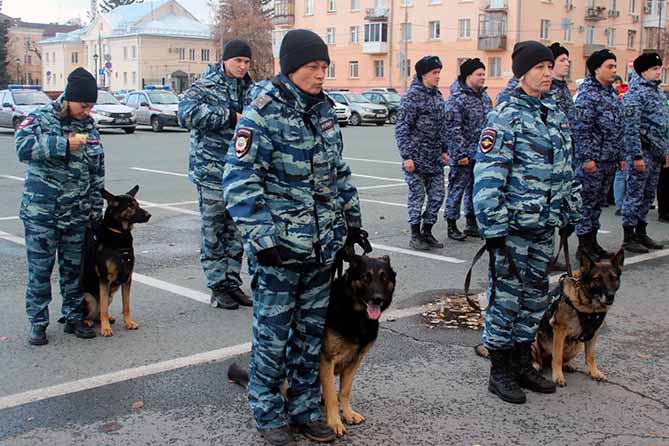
(476, 80)
(431, 78)
(80, 110)
(616, 85)
(652, 74)
(237, 66)
(310, 77)
(606, 74)
(538, 79)
(561, 68)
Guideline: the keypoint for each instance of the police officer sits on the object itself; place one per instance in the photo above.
(559, 88)
(646, 149)
(421, 138)
(210, 109)
(598, 136)
(289, 190)
(504, 94)
(523, 191)
(466, 111)
(62, 191)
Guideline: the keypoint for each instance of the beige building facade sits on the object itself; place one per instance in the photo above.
(375, 43)
(154, 42)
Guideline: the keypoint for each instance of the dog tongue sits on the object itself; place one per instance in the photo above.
(373, 312)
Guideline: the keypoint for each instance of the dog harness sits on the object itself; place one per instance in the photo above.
(590, 322)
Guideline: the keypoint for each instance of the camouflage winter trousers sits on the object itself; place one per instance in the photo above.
(460, 188)
(420, 186)
(43, 244)
(594, 186)
(518, 308)
(640, 193)
(220, 242)
(289, 308)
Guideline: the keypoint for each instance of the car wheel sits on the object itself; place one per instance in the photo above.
(392, 118)
(129, 130)
(355, 119)
(156, 126)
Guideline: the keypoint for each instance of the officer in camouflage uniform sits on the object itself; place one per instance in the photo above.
(598, 135)
(646, 149)
(210, 109)
(290, 193)
(523, 191)
(62, 191)
(421, 138)
(504, 94)
(559, 88)
(467, 109)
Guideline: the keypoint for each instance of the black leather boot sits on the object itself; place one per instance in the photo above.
(79, 329)
(281, 436)
(502, 381)
(630, 242)
(37, 335)
(223, 299)
(642, 237)
(472, 228)
(417, 242)
(585, 247)
(317, 431)
(453, 231)
(528, 377)
(240, 297)
(429, 238)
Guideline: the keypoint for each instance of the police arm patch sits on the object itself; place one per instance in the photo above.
(488, 139)
(26, 122)
(243, 142)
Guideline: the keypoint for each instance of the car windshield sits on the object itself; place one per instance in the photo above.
(391, 97)
(355, 97)
(30, 98)
(105, 98)
(163, 97)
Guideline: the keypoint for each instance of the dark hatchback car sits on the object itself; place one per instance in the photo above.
(388, 98)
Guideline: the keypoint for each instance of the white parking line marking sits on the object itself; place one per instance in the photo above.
(167, 207)
(172, 288)
(11, 177)
(410, 252)
(381, 186)
(13, 217)
(12, 238)
(395, 163)
(377, 178)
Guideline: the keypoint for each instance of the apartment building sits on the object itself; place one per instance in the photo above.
(375, 43)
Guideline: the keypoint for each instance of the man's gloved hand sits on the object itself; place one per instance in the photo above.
(270, 256)
(495, 243)
(357, 236)
(567, 230)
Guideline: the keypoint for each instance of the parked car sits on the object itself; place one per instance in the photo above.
(384, 90)
(109, 113)
(18, 101)
(121, 94)
(343, 112)
(389, 99)
(155, 105)
(362, 110)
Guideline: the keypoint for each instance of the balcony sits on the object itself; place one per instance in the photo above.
(375, 47)
(494, 5)
(494, 43)
(377, 14)
(595, 14)
(284, 12)
(590, 48)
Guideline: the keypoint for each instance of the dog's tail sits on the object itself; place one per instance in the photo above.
(482, 351)
(238, 375)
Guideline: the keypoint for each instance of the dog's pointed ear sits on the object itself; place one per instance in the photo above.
(111, 198)
(385, 259)
(618, 260)
(586, 262)
(132, 192)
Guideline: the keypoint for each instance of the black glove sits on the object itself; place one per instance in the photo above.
(270, 256)
(495, 243)
(567, 230)
(357, 236)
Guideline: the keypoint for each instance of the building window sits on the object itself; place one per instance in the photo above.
(589, 34)
(632, 4)
(664, 77)
(331, 36)
(75, 57)
(125, 78)
(182, 53)
(407, 2)
(134, 78)
(125, 53)
(134, 52)
(610, 37)
(405, 32)
(47, 57)
(355, 34)
(332, 5)
(376, 32)
(28, 59)
(378, 68)
(218, 53)
(545, 27)
(631, 39)
(464, 29)
(435, 30)
(613, 5)
(568, 27)
(308, 7)
(495, 66)
(331, 71)
(191, 54)
(205, 55)
(569, 4)
(353, 69)
(355, 5)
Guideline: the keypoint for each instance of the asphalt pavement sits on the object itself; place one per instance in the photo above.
(165, 384)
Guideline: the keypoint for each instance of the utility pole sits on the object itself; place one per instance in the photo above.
(405, 36)
(660, 26)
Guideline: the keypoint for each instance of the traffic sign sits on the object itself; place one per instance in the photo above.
(108, 66)
(101, 71)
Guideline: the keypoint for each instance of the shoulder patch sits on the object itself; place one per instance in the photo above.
(243, 141)
(327, 125)
(488, 139)
(26, 122)
(261, 101)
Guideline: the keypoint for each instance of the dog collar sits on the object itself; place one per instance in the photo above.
(115, 231)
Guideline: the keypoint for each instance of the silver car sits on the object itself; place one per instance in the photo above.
(18, 101)
(362, 110)
(155, 106)
(109, 113)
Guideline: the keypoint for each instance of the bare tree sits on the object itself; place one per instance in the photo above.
(108, 5)
(249, 20)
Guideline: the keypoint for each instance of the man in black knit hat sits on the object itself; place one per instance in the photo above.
(210, 109)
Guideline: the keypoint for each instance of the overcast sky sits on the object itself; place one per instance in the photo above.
(61, 10)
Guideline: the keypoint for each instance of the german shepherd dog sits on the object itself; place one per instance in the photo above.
(573, 320)
(109, 260)
(357, 300)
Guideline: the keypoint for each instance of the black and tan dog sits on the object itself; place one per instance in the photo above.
(109, 260)
(572, 323)
(357, 300)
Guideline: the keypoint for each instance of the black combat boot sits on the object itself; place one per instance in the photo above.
(240, 297)
(429, 238)
(317, 431)
(528, 377)
(37, 335)
(453, 231)
(281, 436)
(79, 329)
(630, 242)
(600, 252)
(222, 299)
(417, 241)
(471, 228)
(642, 237)
(502, 380)
(585, 247)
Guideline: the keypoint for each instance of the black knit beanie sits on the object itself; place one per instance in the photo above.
(597, 58)
(468, 67)
(528, 54)
(299, 47)
(558, 50)
(647, 61)
(236, 48)
(81, 87)
(427, 64)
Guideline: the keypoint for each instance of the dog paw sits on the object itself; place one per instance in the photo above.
(337, 426)
(568, 368)
(353, 417)
(106, 330)
(558, 378)
(597, 375)
(130, 324)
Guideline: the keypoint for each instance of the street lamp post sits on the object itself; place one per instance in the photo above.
(95, 57)
(18, 77)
